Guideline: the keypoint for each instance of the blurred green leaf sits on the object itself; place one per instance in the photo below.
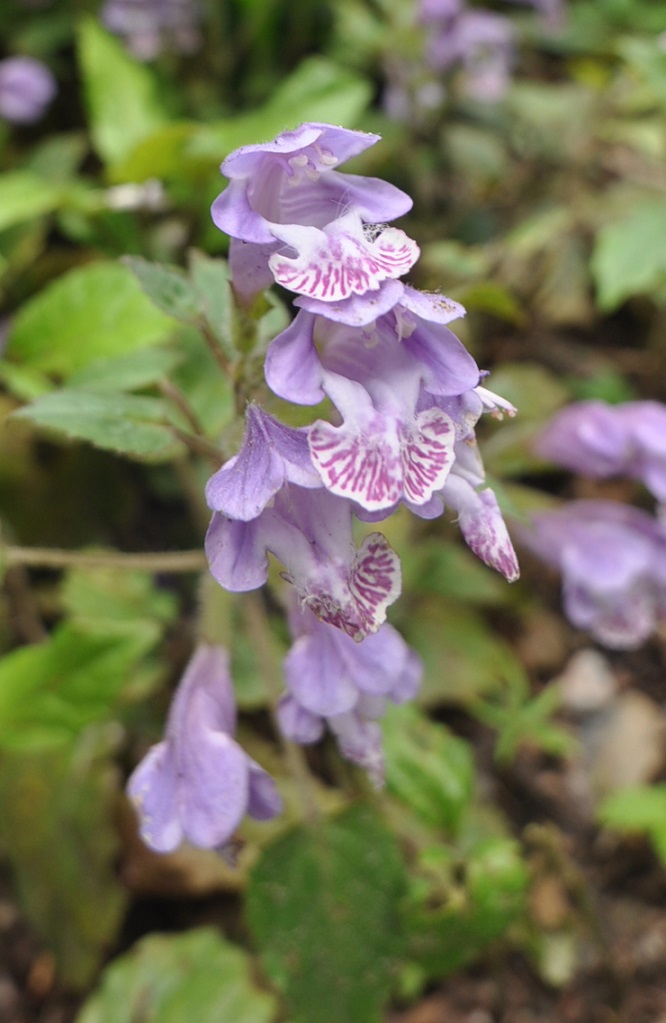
(127, 372)
(487, 297)
(458, 905)
(127, 424)
(117, 601)
(427, 767)
(166, 286)
(322, 904)
(120, 93)
(57, 831)
(452, 571)
(50, 691)
(637, 810)
(25, 195)
(212, 287)
(629, 256)
(175, 977)
(92, 312)
(521, 719)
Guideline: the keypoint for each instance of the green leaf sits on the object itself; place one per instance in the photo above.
(638, 809)
(127, 424)
(57, 831)
(170, 978)
(166, 286)
(459, 905)
(427, 767)
(92, 312)
(120, 93)
(51, 691)
(629, 257)
(322, 903)
(127, 372)
(25, 195)
(210, 280)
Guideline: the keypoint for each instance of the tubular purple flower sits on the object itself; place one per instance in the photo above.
(151, 26)
(198, 783)
(272, 455)
(292, 180)
(332, 680)
(310, 532)
(26, 89)
(613, 563)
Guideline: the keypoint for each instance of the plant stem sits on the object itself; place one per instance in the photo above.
(52, 557)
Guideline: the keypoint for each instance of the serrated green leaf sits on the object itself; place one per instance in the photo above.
(322, 904)
(25, 195)
(121, 94)
(427, 767)
(629, 256)
(175, 977)
(127, 372)
(127, 424)
(92, 312)
(212, 286)
(57, 831)
(166, 286)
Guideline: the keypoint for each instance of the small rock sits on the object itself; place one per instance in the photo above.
(587, 683)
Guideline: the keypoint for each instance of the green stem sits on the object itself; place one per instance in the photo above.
(52, 557)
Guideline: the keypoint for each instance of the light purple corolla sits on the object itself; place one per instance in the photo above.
(601, 440)
(385, 449)
(310, 533)
(478, 42)
(332, 680)
(26, 89)
(197, 784)
(612, 558)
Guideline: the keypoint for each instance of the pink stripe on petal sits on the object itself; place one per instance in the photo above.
(376, 581)
(332, 267)
(352, 465)
(427, 455)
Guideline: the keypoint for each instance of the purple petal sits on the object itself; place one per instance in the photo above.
(357, 310)
(296, 723)
(293, 369)
(588, 437)
(314, 676)
(217, 772)
(482, 526)
(153, 788)
(264, 801)
(236, 553)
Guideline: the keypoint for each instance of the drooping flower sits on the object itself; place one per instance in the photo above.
(26, 89)
(310, 533)
(613, 563)
(151, 26)
(332, 680)
(197, 784)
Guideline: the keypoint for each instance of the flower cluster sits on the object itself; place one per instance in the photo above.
(407, 397)
(151, 26)
(473, 45)
(612, 556)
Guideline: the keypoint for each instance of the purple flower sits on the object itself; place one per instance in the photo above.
(613, 562)
(26, 89)
(331, 679)
(198, 783)
(385, 450)
(479, 42)
(292, 180)
(151, 26)
(272, 455)
(596, 439)
(310, 532)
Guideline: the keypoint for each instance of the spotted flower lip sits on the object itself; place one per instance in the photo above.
(613, 563)
(341, 260)
(310, 533)
(198, 783)
(292, 180)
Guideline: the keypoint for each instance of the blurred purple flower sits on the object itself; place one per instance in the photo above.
(198, 783)
(26, 89)
(600, 440)
(613, 563)
(151, 26)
